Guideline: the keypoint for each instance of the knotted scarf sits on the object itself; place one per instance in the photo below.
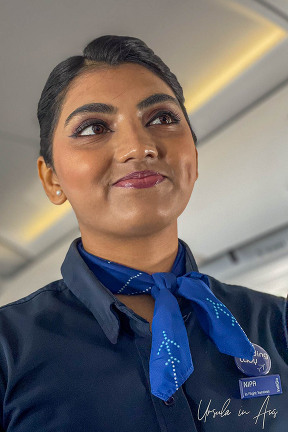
(170, 362)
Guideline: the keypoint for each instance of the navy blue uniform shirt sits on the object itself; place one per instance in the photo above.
(74, 358)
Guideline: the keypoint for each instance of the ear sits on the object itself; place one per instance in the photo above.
(50, 182)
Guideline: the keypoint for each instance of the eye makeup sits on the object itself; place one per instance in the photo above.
(86, 124)
(175, 118)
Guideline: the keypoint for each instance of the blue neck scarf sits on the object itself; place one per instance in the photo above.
(170, 362)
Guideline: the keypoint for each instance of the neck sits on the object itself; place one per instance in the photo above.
(150, 254)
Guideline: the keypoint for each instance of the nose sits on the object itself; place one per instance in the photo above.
(134, 142)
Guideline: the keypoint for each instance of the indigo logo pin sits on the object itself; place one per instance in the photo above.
(259, 365)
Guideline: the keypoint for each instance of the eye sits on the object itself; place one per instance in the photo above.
(90, 128)
(165, 117)
(93, 129)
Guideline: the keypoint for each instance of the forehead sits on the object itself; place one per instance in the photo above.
(116, 85)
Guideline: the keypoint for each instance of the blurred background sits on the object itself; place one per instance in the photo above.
(231, 57)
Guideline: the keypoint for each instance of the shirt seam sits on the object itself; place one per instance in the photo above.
(25, 300)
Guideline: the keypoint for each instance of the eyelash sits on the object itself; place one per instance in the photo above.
(174, 117)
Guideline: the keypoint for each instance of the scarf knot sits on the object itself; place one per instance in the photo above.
(164, 281)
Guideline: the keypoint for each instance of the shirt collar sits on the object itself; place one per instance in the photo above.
(83, 283)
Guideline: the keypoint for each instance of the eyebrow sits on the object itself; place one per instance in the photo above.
(93, 107)
(110, 109)
(156, 98)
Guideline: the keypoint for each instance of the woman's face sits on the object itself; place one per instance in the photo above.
(123, 138)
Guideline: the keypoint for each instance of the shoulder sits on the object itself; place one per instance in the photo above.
(258, 312)
(239, 294)
(37, 296)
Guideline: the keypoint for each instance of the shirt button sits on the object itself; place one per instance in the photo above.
(169, 401)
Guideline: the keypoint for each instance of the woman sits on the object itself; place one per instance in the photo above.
(109, 347)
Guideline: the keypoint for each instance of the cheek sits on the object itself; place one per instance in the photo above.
(184, 162)
(78, 169)
(72, 173)
(188, 171)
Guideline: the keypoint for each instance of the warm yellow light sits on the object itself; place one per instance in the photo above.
(267, 36)
(43, 221)
(230, 71)
(248, 12)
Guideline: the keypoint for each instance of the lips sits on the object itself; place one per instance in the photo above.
(139, 175)
(140, 183)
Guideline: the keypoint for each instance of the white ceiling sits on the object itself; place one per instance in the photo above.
(242, 190)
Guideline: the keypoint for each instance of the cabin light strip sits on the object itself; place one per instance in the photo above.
(216, 82)
(270, 37)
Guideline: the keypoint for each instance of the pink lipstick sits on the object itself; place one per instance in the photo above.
(139, 183)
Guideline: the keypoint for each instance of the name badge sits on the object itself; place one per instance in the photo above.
(260, 386)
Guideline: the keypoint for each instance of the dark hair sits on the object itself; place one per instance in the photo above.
(108, 49)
